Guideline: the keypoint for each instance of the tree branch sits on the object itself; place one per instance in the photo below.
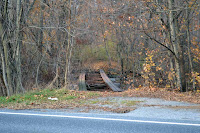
(160, 44)
(158, 41)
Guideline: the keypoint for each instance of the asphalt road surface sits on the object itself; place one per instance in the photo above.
(57, 122)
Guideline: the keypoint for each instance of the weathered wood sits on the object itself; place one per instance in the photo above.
(82, 85)
(109, 82)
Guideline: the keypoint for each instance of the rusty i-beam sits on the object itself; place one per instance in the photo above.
(109, 82)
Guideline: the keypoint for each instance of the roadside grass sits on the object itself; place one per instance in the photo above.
(45, 95)
(69, 99)
(39, 95)
(63, 98)
(102, 102)
(129, 102)
(114, 102)
(94, 102)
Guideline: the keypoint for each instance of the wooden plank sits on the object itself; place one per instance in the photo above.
(82, 85)
(109, 82)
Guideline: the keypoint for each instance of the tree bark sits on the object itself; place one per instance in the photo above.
(188, 46)
(4, 49)
(69, 45)
(177, 48)
(19, 36)
(10, 54)
(40, 32)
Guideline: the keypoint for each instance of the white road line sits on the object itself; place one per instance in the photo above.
(106, 119)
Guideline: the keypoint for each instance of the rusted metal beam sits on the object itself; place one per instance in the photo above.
(82, 85)
(109, 82)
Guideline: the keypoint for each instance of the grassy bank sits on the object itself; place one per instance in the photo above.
(66, 99)
(51, 98)
(87, 100)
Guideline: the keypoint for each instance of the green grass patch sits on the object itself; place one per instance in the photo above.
(129, 102)
(93, 94)
(39, 97)
(108, 102)
(94, 102)
(102, 102)
(70, 97)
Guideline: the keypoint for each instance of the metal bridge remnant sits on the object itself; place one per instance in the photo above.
(109, 82)
(96, 81)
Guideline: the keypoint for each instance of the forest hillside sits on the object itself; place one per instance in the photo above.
(147, 43)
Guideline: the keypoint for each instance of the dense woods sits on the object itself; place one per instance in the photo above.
(46, 43)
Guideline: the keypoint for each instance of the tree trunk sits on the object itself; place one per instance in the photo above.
(177, 48)
(10, 54)
(189, 52)
(4, 49)
(69, 44)
(18, 36)
(4, 79)
(40, 32)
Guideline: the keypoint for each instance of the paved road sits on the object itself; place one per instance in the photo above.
(57, 122)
